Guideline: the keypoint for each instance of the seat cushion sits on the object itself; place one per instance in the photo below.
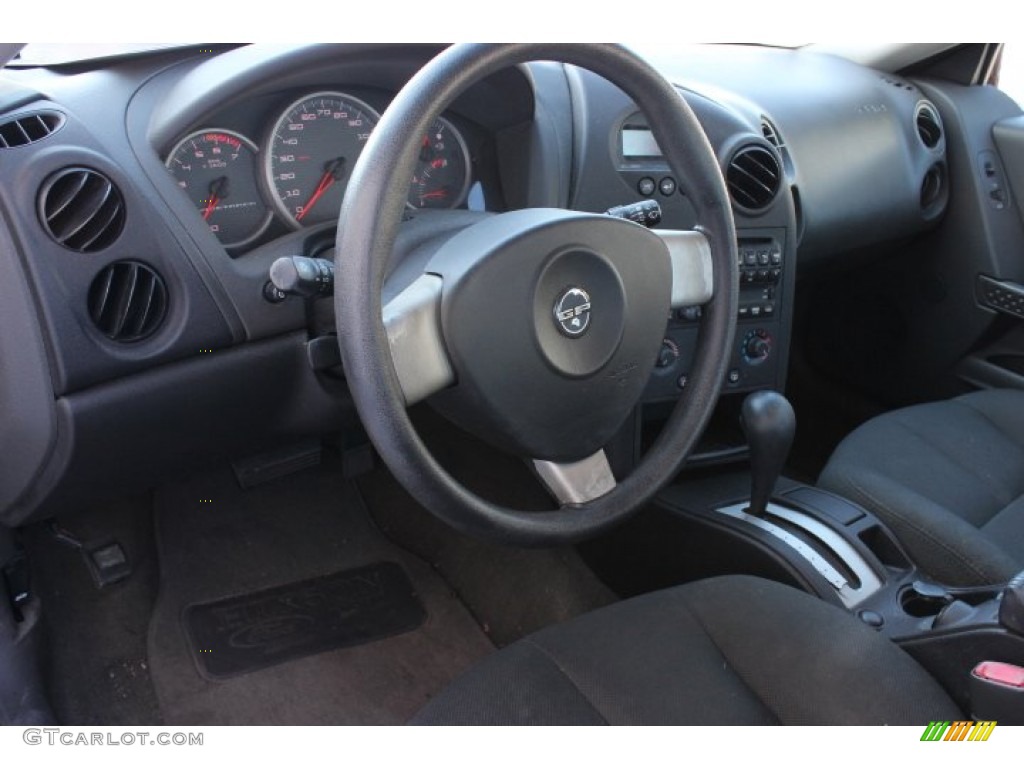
(729, 650)
(948, 478)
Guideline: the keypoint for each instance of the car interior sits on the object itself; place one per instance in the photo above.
(511, 384)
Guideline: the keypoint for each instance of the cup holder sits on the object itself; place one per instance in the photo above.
(921, 600)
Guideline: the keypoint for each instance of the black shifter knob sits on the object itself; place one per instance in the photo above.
(769, 423)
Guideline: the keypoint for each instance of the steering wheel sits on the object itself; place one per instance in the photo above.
(536, 329)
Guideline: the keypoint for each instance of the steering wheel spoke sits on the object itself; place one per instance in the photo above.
(577, 482)
(692, 271)
(412, 320)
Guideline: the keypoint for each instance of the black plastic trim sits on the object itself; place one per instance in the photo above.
(132, 434)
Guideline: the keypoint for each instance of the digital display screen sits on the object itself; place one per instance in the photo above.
(639, 142)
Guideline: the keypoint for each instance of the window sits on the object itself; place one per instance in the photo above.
(1011, 72)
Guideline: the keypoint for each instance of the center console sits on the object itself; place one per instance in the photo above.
(842, 553)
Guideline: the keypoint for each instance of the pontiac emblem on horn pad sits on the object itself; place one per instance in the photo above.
(572, 312)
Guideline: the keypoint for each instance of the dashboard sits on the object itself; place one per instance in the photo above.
(145, 199)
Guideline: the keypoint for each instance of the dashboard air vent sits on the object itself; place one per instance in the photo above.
(127, 301)
(771, 133)
(929, 127)
(28, 129)
(753, 177)
(81, 209)
(933, 187)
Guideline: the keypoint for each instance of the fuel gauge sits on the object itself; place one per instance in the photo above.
(442, 171)
(218, 170)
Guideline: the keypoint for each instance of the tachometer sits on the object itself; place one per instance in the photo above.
(442, 172)
(311, 152)
(218, 170)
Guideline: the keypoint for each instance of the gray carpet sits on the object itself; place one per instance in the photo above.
(217, 541)
(96, 670)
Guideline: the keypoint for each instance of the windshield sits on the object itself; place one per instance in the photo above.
(50, 54)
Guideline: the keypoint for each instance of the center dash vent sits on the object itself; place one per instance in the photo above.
(28, 129)
(929, 126)
(127, 301)
(81, 209)
(753, 177)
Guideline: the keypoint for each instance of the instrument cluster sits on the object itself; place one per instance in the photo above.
(297, 173)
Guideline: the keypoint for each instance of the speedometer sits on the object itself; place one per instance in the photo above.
(311, 152)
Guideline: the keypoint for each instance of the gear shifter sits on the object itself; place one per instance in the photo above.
(769, 423)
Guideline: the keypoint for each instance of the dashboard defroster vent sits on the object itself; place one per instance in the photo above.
(28, 129)
(929, 126)
(753, 177)
(127, 301)
(81, 209)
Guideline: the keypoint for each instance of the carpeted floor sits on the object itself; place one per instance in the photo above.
(216, 541)
(97, 672)
(384, 620)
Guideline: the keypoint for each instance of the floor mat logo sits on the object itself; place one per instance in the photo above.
(248, 632)
(277, 619)
(269, 631)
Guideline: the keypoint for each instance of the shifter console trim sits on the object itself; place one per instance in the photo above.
(848, 594)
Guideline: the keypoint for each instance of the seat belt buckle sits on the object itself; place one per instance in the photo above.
(14, 584)
(997, 692)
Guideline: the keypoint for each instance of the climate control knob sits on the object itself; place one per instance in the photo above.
(756, 346)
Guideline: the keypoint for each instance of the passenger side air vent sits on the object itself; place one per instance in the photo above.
(127, 301)
(929, 126)
(28, 129)
(933, 188)
(753, 177)
(81, 209)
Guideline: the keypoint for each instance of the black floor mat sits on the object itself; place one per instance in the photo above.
(241, 634)
(217, 542)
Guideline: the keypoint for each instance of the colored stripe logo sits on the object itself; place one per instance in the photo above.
(958, 730)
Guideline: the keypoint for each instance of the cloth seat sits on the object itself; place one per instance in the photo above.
(948, 479)
(730, 650)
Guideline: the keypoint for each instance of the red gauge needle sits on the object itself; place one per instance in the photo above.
(334, 170)
(210, 205)
(218, 190)
(426, 151)
(435, 193)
